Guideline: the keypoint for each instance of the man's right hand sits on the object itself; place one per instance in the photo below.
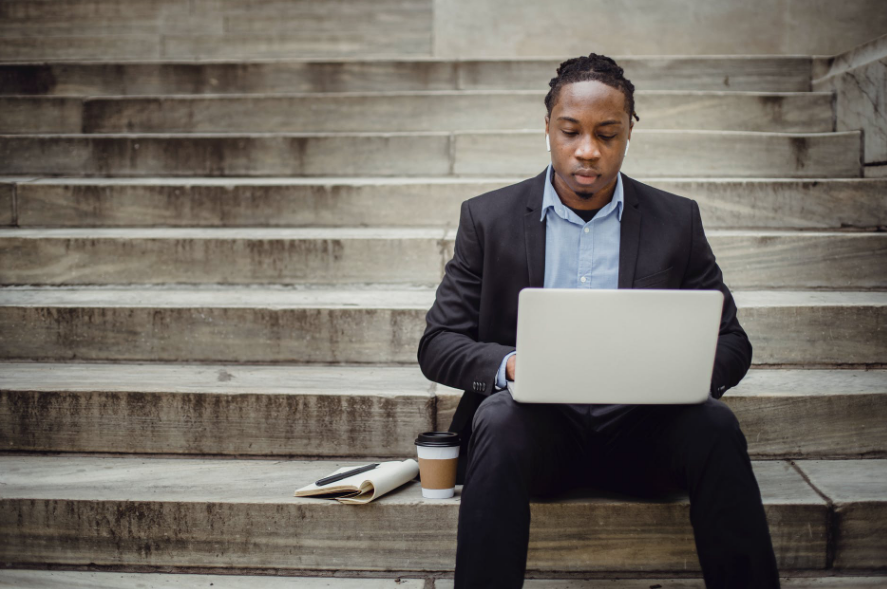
(509, 368)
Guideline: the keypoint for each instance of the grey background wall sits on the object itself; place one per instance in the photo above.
(243, 29)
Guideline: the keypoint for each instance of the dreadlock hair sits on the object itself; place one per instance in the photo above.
(594, 67)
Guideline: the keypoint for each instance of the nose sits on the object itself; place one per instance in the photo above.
(587, 149)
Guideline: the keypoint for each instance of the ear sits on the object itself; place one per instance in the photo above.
(546, 124)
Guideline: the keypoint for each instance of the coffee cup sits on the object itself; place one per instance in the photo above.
(438, 459)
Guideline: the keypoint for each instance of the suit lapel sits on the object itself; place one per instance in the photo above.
(630, 233)
(534, 232)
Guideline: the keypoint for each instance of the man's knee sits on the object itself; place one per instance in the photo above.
(496, 414)
(713, 425)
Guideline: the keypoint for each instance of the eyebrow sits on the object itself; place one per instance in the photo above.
(572, 120)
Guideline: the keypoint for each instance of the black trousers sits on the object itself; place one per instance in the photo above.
(534, 449)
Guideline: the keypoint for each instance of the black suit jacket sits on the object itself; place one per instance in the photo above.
(500, 249)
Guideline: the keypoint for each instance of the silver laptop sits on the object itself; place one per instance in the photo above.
(615, 346)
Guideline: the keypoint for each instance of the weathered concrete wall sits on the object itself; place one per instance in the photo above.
(486, 28)
(859, 80)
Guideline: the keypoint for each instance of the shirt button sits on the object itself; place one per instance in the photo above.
(586, 229)
(582, 279)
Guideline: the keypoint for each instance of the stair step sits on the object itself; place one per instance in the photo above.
(725, 203)
(749, 259)
(90, 30)
(85, 78)
(293, 256)
(856, 490)
(220, 410)
(507, 153)
(241, 514)
(24, 579)
(367, 412)
(452, 110)
(367, 324)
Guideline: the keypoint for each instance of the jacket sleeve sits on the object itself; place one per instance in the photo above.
(449, 351)
(734, 351)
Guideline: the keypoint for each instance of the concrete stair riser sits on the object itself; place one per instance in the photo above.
(770, 204)
(749, 259)
(352, 28)
(677, 154)
(194, 513)
(363, 326)
(387, 112)
(755, 74)
(24, 579)
(57, 579)
(366, 412)
(517, 153)
(860, 510)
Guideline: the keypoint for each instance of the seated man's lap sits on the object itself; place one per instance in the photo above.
(645, 453)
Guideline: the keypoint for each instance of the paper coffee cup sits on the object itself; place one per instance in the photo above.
(438, 459)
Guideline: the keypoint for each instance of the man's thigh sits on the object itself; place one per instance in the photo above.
(650, 450)
(545, 441)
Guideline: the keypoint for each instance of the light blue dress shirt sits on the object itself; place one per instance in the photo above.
(578, 254)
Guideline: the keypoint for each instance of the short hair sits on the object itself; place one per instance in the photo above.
(594, 67)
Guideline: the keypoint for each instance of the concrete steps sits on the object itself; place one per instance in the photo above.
(156, 29)
(749, 259)
(364, 324)
(23, 579)
(230, 314)
(92, 78)
(454, 110)
(777, 203)
(241, 515)
(366, 412)
(666, 153)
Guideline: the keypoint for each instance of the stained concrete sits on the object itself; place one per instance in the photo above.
(366, 411)
(230, 409)
(517, 153)
(857, 490)
(815, 327)
(241, 514)
(7, 203)
(23, 579)
(749, 259)
(394, 154)
(480, 28)
(652, 582)
(747, 73)
(349, 202)
(677, 154)
(858, 79)
(54, 114)
(438, 111)
(373, 324)
(776, 407)
(205, 30)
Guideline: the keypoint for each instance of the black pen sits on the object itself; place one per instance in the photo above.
(344, 475)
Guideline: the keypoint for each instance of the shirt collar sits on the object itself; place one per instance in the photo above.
(550, 200)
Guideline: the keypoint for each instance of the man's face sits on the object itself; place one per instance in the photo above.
(588, 130)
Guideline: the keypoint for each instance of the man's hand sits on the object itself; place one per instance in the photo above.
(509, 368)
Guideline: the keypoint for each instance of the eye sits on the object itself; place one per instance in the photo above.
(571, 133)
(607, 136)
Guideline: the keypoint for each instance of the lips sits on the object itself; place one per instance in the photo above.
(586, 177)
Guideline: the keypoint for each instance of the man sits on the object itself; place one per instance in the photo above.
(582, 224)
